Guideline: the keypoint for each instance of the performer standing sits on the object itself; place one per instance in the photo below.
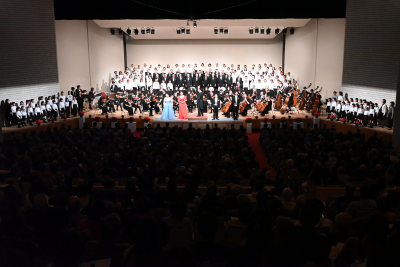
(168, 111)
(200, 103)
(235, 106)
(182, 106)
(216, 105)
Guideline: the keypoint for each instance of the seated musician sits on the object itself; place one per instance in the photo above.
(153, 105)
(225, 102)
(175, 102)
(247, 102)
(110, 105)
(290, 103)
(190, 102)
(265, 99)
(127, 106)
(136, 104)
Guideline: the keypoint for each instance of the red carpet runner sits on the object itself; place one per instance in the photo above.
(260, 155)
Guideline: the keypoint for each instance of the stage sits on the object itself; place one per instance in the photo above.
(273, 117)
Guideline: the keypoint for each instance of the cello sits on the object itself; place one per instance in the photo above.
(278, 101)
(285, 105)
(316, 104)
(226, 107)
(303, 97)
(311, 101)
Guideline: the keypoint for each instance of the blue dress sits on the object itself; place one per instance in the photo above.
(168, 111)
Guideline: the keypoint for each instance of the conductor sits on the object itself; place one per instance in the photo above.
(200, 103)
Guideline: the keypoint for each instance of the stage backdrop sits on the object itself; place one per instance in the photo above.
(239, 51)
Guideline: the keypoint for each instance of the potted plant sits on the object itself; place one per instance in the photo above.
(97, 119)
(140, 116)
(65, 117)
(283, 120)
(316, 114)
(106, 116)
(306, 116)
(38, 122)
(273, 116)
(122, 116)
(248, 120)
(90, 116)
(332, 117)
(298, 120)
(289, 117)
(114, 119)
(131, 119)
(146, 119)
(81, 113)
(256, 117)
(357, 122)
(265, 120)
(343, 120)
(52, 119)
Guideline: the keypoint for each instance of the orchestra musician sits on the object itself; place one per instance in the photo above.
(216, 106)
(127, 106)
(235, 106)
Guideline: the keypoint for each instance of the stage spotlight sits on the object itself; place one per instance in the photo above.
(284, 31)
(120, 31)
(292, 31)
(143, 31)
(277, 31)
(136, 31)
(221, 30)
(256, 30)
(112, 31)
(183, 30)
(215, 30)
(194, 24)
(152, 31)
(128, 31)
(187, 30)
(262, 30)
(251, 30)
(178, 30)
(148, 30)
(268, 31)
(226, 30)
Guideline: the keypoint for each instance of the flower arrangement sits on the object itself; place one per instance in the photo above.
(114, 119)
(248, 120)
(357, 122)
(306, 116)
(106, 116)
(316, 114)
(97, 119)
(265, 120)
(289, 117)
(122, 116)
(332, 117)
(298, 120)
(140, 116)
(38, 122)
(131, 119)
(81, 113)
(283, 119)
(273, 116)
(343, 120)
(90, 116)
(256, 117)
(52, 119)
(65, 117)
(146, 119)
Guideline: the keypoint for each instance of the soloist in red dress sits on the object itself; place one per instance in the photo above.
(182, 108)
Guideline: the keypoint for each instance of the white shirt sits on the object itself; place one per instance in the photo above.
(74, 102)
(38, 111)
(23, 112)
(366, 112)
(61, 105)
(62, 97)
(42, 108)
(70, 97)
(30, 110)
(66, 104)
(360, 111)
(343, 107)
(48, 107)
(338, 107)
(340, 98)
(13, 109)
(19, 114)
(55, 107)
(156, 85)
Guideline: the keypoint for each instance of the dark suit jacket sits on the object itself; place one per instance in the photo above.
(213, 103)
(229, 81)
(213, 81)
(237, 102)
(196, 81)
(205, 80)
(200, 99)
(189, 82)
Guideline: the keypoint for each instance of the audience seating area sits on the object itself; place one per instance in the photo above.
(105, 197)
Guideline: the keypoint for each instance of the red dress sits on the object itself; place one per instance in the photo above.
(182, 108)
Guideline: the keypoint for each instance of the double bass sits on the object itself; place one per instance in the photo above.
(303, 97)
(278, 102)
(311, 101)
(316, 104)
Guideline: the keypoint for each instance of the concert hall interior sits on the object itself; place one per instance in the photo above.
(199, 133)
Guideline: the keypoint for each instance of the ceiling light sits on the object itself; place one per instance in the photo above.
(187, 30)
(251, 30)
(221, 30)
(183, 30)
(284, 31)
(194, 24)
(152, 31)
(112, 31)
(128, 31)
(136, 31)
(178, 30)
(277, 31)
(292, 31)
(262, 30)
(143, 31)
(148, 30)
(256, 30)
(268, 31)
(226, 30)
(120, 31)
(215, 30)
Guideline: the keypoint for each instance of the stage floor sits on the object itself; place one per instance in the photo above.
(257, 119)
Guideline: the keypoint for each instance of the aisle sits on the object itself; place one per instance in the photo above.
(260, 155)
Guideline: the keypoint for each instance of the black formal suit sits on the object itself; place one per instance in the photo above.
(113, 88)
(235, 107)
(229, 81)
(215, 107)
(205, 80)
(200, 104)
(220, 80)
(189, 82)
(156, 76)
(174, 82)
(180, 81)
(196, 81)
(213, 82)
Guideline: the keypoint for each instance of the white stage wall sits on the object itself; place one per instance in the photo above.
(314, 54)
(243, 52)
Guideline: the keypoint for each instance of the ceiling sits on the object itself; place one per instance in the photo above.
(202, 9)
(237, 29)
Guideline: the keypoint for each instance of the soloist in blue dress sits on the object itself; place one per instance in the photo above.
(168, 111)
